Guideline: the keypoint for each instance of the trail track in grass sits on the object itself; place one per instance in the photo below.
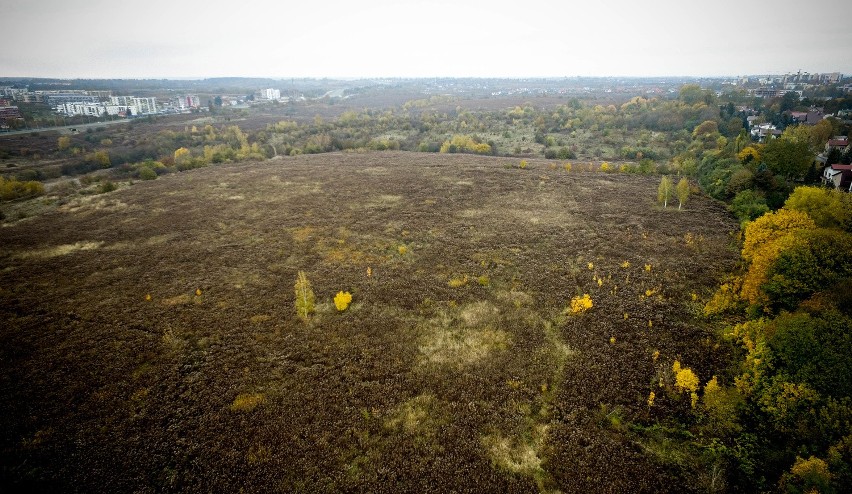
(454, 368)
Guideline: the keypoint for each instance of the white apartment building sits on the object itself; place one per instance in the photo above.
(81, 108)
(145, 106)
(270, 93)
(96, 109)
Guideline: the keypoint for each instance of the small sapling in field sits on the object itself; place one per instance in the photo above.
(304, 297)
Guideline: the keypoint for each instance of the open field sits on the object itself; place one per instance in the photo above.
(151, 342)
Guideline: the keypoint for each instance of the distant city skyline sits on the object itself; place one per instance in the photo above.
(439, 38)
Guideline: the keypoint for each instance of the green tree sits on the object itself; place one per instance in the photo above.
(664, 190)
(748, 205)
(813, 349)
(682, 192)
(146, 173)
(789, 156)
(816, 260)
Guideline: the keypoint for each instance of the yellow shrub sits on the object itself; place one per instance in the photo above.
(458, 282)
(12, 188)
(581, 304)
(725, 299)
(245, 402)
(685, 379)
(342, 300)
(606, 167)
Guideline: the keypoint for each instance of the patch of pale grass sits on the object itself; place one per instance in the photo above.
(462, 346)
(178, 300)
(302, 234)
(519, 455)
(516, 298)
(374, 170)
(479, 313)
(418, 416)
(61, 250)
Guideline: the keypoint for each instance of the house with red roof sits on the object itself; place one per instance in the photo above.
(840, 176)
(839, 142)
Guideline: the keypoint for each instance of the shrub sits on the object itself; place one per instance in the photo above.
(458, 282)
(11, 189)
(107, 186)
(581, 304)
(465, 144)
(342, 300)
(99, 158)
(246, 402)
(63, 143)
(686, 381)
(566, 154)
(146, 173)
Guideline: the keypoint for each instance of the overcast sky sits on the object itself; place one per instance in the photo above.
(430, 38)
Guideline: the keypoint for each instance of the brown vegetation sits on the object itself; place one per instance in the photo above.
(168, 355)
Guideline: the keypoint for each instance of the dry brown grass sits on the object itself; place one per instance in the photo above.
(481, 387)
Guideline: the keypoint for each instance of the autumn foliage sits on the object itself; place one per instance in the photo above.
(304, 297)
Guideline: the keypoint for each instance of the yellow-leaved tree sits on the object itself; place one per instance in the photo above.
(765, 239)
(682, 192)
(664, 190)
(182, 155)
(304, 297)
(828, 208)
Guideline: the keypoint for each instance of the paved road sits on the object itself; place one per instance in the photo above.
(66, 129)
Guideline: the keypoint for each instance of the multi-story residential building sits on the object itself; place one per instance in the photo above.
(270, 93)
(25, 96)
(81, 108)
(97, 109)
(61, 98)
(188, 101)
(146, 106)
(10, 113)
